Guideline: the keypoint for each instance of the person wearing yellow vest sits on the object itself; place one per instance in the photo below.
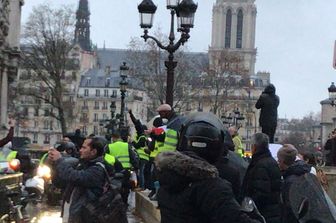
(6, 140)
(156, 142)
(173, 126)
(140, 145)
(122, 151)
(238, 145)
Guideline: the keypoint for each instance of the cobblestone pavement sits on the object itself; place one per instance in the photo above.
(43, 213)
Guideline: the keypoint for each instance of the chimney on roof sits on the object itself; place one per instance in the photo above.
(108, 70)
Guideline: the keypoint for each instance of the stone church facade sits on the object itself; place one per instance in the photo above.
(233, 30)
(10, 23)
(233, 35)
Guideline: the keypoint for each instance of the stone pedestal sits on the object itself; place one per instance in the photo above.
(331, 176)
(146, 208)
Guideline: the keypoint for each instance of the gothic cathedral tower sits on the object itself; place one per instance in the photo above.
(233, 31)
(82, 31)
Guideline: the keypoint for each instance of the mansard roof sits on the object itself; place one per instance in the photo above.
(99, 79)
(113, 58)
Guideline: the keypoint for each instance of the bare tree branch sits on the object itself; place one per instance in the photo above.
(48, 36)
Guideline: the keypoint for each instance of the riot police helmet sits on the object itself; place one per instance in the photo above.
(203, 133)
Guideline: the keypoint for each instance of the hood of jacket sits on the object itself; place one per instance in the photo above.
(190, 165)
(176, 170)
(270, 89)
(298, 168)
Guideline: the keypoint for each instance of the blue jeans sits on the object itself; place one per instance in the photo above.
(142, 180)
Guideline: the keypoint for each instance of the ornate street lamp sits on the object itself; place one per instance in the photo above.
(185, 12)
(147, 10)
(172, 4)
(238, 117)
(123, 89)
(113, 122)
(332, 94)
(233, 120)
(113, 109)
(227, 120)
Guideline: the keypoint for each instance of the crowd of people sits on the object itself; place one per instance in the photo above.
(193, 167)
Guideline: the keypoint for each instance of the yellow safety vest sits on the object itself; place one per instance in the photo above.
(238, 145)
(155, 152)
(170, 141)
(141, 151)
(44, 157)
(119, 150)
(110, 159)
(11, 155)
(7, 154)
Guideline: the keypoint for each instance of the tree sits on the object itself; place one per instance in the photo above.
(297, 139)
(48, 39)
(226, 75)
(301, 131)
(146, 61)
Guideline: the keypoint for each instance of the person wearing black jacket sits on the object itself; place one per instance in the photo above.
(291, 171)
(330, 147)
(228, 171)
(268, 102)
(140, 144)
(190, 187)
(84, 179)
(262, 181)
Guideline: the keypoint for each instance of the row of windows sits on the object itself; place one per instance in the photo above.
(96, 105)
(95, 117)
(46, 138)
(106, 93)
(46, 112)
(47, 124)
(107, 81)
(228, 27)
(95, 130)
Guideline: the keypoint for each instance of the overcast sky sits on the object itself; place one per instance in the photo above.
(295, 41)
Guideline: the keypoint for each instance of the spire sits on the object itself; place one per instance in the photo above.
(82, 31)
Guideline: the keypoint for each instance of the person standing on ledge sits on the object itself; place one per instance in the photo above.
(268, 102)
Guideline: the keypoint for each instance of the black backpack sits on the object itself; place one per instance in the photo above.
(309, 202)
(109, 208)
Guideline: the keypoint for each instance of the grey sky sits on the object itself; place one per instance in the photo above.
(295, 40)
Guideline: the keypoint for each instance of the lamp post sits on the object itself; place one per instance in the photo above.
(233, 119)
(112, 120)
(123, 89)
(185, 12)
(332, 94)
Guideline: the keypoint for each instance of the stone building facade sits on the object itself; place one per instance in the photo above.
(233, 34)
(233, 30)
(98, 90)
(328, 120)
(10, 23)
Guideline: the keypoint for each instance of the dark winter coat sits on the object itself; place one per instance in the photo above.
(175, 121)
(330, 146)
(268, 102)
(84, 183)
(191, 191)
(228, 171)
(262, 183)
(8, 138)
(290, 175)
